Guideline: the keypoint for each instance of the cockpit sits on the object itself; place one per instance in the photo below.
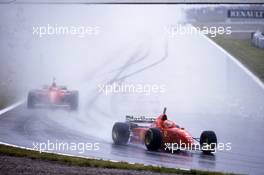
(170, 124)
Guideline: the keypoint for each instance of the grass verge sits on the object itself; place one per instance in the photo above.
(69, 160)
(242, 49)
(7, 97)
(3, 101)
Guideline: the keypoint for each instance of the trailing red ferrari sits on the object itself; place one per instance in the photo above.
(158, 133)
(53, 96)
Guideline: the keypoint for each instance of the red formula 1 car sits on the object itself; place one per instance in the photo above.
(161, 133)
(53, 96)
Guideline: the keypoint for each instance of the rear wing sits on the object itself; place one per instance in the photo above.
(141, 119)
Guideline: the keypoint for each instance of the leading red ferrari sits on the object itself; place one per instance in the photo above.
(53, 96)
(161, 133)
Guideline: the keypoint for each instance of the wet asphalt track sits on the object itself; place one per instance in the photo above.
(204, 89)
(233, 108)
(22, 127)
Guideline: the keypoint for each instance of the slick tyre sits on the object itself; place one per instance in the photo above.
(120, 133)
(31, 100)
(208, 141)
(74, 100)
(153, 139)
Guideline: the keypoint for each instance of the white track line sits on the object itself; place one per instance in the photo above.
(31, 149)
(245, 69)
(253, 76)
(9, 108)
(85, 157)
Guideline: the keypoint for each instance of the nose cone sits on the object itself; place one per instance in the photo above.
(52, 96)
(185, 137)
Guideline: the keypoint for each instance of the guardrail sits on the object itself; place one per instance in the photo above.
(257, 39)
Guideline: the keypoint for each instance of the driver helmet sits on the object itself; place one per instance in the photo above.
(164, 117)
(53, 84)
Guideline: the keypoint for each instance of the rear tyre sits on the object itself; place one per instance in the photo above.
(31, 100)
(120, 133)
(74, 100)
(208, 141)
(153, 139)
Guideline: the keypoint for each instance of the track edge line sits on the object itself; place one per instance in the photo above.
(11, 107)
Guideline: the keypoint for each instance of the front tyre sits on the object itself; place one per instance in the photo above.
(120, 133)
(31, 100)
(208, 141)
(153, 139)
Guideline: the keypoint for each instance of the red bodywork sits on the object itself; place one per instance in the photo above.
(52, 95)
(171, 133)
